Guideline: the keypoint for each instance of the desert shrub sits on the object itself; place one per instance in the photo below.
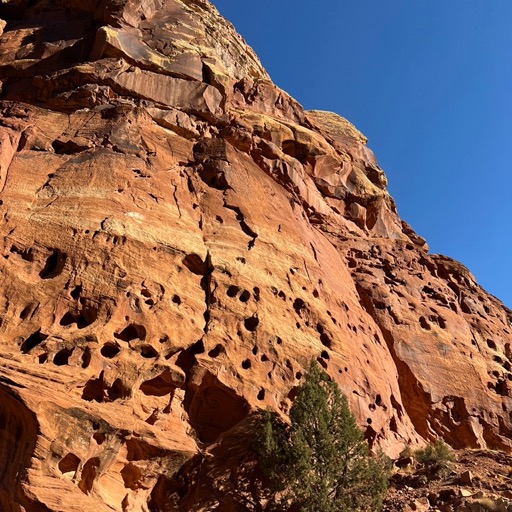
(487, 504)
(436, 453)
(320, 462)
(406, 453)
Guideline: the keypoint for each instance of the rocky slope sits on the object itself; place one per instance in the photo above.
(179, 239)
(478, 481)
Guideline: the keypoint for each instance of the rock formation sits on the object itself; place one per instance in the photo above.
(179, 238)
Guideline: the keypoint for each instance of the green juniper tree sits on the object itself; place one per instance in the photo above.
(320, 462)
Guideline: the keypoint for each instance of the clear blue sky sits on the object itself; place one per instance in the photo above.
(429, 82)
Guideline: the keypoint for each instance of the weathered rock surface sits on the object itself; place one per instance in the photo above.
(179, 239)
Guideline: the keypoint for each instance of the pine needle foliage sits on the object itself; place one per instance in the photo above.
(320, 462)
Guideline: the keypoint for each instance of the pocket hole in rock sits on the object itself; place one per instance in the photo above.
(26, 311)
(148, 352)
(131, 475)
(244, 296)
(32, 341)
(232, 291)
(99, 438)
(492, 345)
(195, 264)
(109, 350)
(187, 357)
(68, 466)
(89, 473)
(118, 390)
(94, 390)
(424, 324)
(54, 265)
(67, 319)
(322, 362)
(26, 254)
(83, 318)
(131, 332)
(61, 358)
(325, 340)
(157, 387)
(76, 291)
(251, 323)
(216, 351)
(86, 358)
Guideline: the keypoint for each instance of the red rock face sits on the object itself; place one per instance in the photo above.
(180, 238)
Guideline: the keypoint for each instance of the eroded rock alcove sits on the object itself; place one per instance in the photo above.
(180, 238)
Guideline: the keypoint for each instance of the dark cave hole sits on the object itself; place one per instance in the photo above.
(244, 296)
(148, 352)
(195, 264)
(76, 291)
(232, 291)
(61, 358)
(187, 357)
(131, 332)
(157, 387)
(54, 265)
(216, 351)
(118, 390)
(251, 323)
(109, 350)
(32, 341)
(69, 464)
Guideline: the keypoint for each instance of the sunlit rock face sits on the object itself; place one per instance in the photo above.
(179, 239)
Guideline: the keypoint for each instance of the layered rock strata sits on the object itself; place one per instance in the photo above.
(180, 238)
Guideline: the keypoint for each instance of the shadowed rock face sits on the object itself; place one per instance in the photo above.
(180, 238)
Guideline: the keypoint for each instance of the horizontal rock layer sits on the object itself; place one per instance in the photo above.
(180, 238)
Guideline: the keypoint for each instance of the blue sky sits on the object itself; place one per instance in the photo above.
(429, 82)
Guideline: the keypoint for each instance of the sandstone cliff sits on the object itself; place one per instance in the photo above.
(179, 239)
